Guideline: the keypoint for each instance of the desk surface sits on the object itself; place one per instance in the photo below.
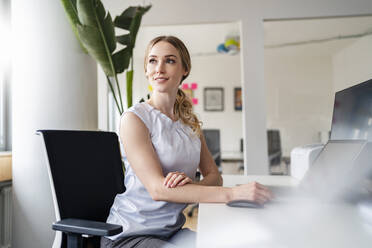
(5, 166)
(280, 225)
(232, 155)
(5, 153)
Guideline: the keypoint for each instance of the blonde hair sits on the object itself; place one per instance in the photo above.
(182, 106)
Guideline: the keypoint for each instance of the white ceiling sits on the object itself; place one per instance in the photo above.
(305, 30)
(203, 39)
(285, 31)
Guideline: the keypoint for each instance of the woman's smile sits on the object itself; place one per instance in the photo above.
(161, 79)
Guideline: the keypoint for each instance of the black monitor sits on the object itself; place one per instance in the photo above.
(352, 113)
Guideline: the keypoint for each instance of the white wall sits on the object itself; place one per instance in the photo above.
(251, 14)
(219, 71)
(300, 79)
(54, 87)
(299, 97)
(5, 75)
(353, 64)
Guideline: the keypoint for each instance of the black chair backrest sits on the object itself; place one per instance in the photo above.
(274, 146)
(87, 172)
(212, 138)
(273, 141)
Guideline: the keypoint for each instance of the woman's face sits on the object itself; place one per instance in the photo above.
(164, 68)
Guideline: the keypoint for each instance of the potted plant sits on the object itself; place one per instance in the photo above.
(95, 31)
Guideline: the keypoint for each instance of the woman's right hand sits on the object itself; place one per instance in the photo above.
(174, 179)
(252, 191)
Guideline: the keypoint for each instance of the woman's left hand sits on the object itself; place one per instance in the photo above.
(174, 179)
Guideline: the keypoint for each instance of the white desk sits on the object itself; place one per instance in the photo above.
(299, 226)
(232, 156)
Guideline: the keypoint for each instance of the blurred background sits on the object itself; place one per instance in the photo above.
(263, 79)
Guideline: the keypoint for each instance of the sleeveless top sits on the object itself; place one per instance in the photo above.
(178, 149)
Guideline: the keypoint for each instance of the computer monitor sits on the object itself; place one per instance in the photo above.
(337, 168)
(352, 113)
(352, 117)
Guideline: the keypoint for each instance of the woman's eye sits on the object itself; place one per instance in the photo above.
(151, 61)
(171, 61)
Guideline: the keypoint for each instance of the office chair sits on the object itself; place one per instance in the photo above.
(212, 138)
(86, 172)
(274, 147)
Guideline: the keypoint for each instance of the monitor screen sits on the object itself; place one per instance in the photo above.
(331, 174)
(352, 113)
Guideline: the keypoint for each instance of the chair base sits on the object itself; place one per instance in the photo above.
(74, 240)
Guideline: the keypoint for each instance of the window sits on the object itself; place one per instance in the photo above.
(4, 73)
(2, 115)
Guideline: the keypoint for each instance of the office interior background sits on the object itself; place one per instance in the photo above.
(294, 55)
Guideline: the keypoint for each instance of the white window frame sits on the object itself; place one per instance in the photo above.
(5, 68)
(2, 112)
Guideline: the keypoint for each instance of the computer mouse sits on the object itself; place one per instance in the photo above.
(244, 204)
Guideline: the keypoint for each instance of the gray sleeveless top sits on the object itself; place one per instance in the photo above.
(178, 149)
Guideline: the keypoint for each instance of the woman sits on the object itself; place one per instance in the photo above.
(163, 147)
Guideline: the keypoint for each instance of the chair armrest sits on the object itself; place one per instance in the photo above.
(87, 227)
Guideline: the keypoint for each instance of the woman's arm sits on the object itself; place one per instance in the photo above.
(145, 163)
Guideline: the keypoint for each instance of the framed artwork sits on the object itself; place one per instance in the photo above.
(238, 99)
(213, 99)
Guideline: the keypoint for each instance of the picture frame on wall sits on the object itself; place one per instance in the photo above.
(238, 104)
(213, 99)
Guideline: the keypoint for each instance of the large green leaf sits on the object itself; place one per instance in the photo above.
(71, 11)
(124, 20)
(121, 60)
(129, 12)
(91, 38)
(92, 13)
(87, 12)
(109, 32)
(124, 39)
(97, 33)
(95, 30)
(136, 23)
(72, 16)
(130, 20)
